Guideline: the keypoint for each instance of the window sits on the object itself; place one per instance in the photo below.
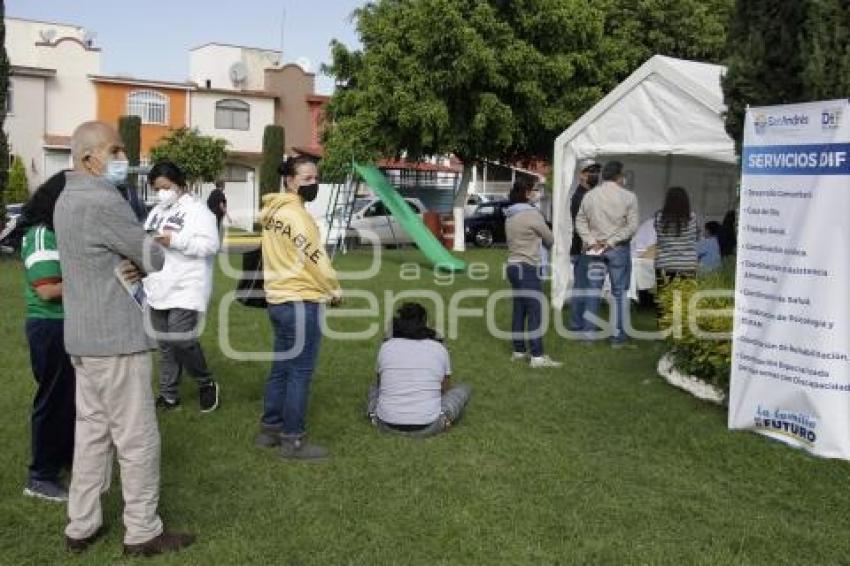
(232, 115)
(234, 173)
(150, 106)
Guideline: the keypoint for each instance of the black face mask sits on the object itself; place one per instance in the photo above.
(308, 192)
(592, 181)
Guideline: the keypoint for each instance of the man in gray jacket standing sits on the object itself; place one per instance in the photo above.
(104, 334)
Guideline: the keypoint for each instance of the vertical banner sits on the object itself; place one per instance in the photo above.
(790, 364)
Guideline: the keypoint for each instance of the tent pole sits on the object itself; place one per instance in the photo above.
(668, 171)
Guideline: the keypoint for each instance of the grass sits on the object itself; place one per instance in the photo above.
(600, 462)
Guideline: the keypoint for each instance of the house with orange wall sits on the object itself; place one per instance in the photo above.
(162, 105)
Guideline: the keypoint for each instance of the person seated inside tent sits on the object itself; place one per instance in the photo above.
(708, 249)
(413, 393)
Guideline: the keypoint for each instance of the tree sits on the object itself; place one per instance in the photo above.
(494, 79)
(18, 185)
(785, 52)
(273, 144)
(4, 88)
(202, 158)
(130, 129)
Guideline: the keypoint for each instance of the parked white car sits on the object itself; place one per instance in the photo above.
(374, 217)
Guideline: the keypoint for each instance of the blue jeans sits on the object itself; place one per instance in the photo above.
(526, 277)
(578, 304)
(297, 335)
(617, 262)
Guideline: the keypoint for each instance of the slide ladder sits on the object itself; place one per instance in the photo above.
(338, 216)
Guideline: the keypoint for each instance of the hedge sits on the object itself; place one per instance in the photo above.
(706, 359)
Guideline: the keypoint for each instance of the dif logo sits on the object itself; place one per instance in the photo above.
(830, 118)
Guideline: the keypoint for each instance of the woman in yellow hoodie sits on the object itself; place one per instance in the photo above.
(299, 279)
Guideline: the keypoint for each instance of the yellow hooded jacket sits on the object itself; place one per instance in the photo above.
(296, 266)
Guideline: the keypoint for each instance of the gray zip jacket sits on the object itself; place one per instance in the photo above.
(525, 230)
(95, 230)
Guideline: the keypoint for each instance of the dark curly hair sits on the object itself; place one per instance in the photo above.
(38, 210)
(411, 322)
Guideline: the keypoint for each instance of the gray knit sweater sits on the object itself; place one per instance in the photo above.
(95, 229)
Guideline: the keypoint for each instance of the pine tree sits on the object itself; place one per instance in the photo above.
(18, 185)
(273, 144)
(130, 129)
(4, 88)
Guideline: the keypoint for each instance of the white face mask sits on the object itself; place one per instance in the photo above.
(116, 171)
(166, 196)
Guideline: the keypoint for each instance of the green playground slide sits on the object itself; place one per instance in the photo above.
(409, 220)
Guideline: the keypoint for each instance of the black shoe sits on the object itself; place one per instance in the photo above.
(208, 397)
(47, 490)
(167, 404)
(164, 543)
(78, 545)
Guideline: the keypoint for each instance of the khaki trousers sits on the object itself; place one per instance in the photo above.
(115, 406)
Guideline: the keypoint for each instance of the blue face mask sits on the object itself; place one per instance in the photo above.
(116, 171)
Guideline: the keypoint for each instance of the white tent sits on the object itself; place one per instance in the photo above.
(664, 122)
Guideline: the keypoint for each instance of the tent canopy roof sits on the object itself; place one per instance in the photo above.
(667, 106)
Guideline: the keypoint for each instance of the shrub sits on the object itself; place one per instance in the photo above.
(706, 359)
(18, 190)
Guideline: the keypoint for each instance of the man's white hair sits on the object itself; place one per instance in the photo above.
(89, 137)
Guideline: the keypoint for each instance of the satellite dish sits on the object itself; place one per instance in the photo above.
(238, 73)
(48, 34)
(304, 63)
(89, 37)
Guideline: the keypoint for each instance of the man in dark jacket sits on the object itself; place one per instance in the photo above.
(217, 203)
(588, 177)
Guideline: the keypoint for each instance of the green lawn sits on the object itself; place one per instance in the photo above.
(600, 462)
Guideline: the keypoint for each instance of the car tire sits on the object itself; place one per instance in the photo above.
(483, 238)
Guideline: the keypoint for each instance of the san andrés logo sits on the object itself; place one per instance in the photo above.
(790, 423)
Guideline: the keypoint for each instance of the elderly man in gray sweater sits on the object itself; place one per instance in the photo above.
(105, 336)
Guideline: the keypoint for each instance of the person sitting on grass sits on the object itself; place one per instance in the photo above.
(413, 392)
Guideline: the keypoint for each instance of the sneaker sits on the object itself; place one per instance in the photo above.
(167, 404)
(623, 345)
(208, 397)
(269, 436)
(164, 542)
(295, 447)
(47, 490)
(544, 362)
(519, 356)
(78, 545)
